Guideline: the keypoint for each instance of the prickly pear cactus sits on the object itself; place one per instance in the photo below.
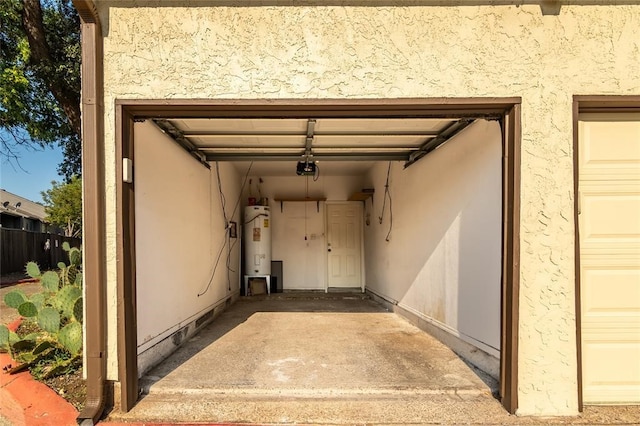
(7, 338)
(15, 298)
(49, 319)
(65, 299)
(42, 347)
(28, 310)
(50, 281)
(33, 270)
(38, 300)
(78, 309)
(75, 256)
(69, 275)
(23, 345)
(66, 246)
(58, 312)
(70, 336)
(4, 338)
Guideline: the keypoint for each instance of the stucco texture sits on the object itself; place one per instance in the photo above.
(390, 52)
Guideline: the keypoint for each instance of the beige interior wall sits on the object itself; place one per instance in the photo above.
(443, 258)
(389, 52)
(179, 232)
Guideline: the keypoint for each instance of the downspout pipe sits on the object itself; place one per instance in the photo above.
(93, 212)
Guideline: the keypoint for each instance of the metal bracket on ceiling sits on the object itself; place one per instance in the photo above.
(311, 124)
(390, 156)
(176, 134)
(430, 145)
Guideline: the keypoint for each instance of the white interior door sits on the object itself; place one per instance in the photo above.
(344, 244)
(609, 219)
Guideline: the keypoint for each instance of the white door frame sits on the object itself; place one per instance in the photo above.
(326, 253)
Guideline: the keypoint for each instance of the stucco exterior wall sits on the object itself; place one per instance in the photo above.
(389, 52)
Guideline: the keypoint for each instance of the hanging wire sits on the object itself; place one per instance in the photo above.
(241, 190)
(387, 195)
(230, 246)
(223, 201)
(306, 198)
(226, 242)
(255, 217)
(215, 267)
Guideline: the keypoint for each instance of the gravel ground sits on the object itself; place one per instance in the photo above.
(71, 387)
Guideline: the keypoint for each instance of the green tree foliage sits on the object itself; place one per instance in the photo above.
(63, 205)
(40, 78)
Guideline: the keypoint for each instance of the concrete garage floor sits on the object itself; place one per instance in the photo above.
(309, 358)
(315, 358)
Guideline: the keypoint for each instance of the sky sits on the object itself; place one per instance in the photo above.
(40, 168)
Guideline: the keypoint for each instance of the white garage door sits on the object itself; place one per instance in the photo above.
(609, 207)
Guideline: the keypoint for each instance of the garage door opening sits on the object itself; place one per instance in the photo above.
(431, 243)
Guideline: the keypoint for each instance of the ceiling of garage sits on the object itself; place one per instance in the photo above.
(342, 146)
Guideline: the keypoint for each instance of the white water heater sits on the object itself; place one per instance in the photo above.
(257, 240)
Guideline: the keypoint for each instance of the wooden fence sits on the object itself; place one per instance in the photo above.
(18, 247)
